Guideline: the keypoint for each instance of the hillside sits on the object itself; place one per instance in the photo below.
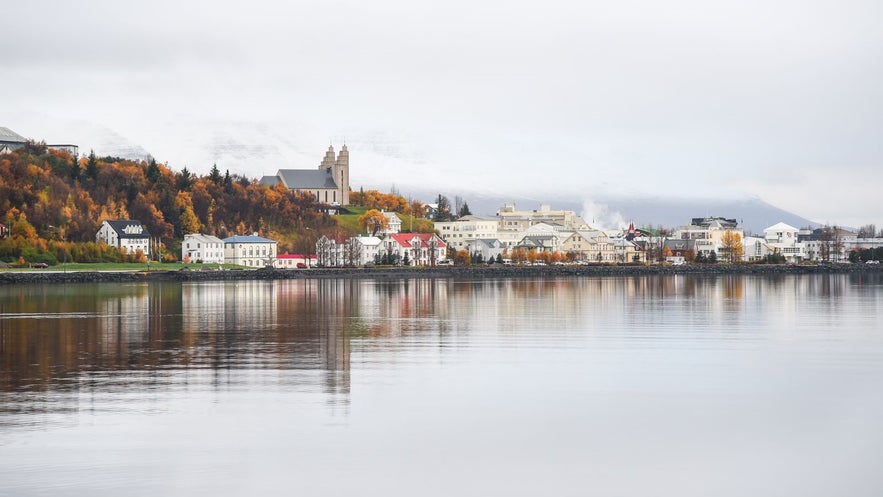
(47, 195)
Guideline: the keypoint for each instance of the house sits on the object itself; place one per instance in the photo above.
(128, 235)
(486, 248)
(294, 261)
(394, 224)
(417, 249)
(365, 249)
(348, 252)
(782, 238)
(249, 250)
(329, 184)
(540, 243)
(207, 249)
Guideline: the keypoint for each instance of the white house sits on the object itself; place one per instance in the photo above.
(366, 249)
(419, 249)
(782, 238)
(249, 250)
(126, 234)
(394, 224)
(207, 249)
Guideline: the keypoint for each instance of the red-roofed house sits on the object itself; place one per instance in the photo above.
(417, 249)
(294, 261)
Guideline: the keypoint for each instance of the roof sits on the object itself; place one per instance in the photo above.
(270, 181)
(247, 239)
(367, 240)
(404, 239)
(305, 179)
(199, 237)
(294, 256)
(781, 227)
(7, 135)
(128, 228)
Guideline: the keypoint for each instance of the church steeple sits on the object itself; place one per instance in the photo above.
(328, 160)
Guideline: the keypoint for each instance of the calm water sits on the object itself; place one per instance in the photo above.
(683, 386)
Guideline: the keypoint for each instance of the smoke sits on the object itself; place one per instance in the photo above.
(599, 216)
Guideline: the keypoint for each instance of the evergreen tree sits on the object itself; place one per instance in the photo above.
(92, 165)
(464, 210)
(153, 173)
(228, 182)
(443, 211)
(185, 179)
(215, 175)
(75, 169)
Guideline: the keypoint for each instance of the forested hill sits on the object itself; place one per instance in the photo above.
(46, 194)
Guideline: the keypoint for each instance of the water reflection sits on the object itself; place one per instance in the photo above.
(70, 337)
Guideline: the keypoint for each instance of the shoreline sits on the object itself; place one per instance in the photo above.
(457, 272)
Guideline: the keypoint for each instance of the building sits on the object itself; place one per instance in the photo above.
(249, 250)
(11, 141)
(206, 249)
(462, 233)
(393, 223)
(329, 184)
(513, 220)
(782, 238)
(128, 235)
(707, 234)
(355, 251)
(294, 261)
(415, 249)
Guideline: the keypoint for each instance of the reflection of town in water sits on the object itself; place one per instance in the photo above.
(154, 335)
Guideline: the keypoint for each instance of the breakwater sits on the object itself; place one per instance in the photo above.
(459, 272)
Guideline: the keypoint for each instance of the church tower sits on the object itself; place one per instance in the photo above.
(342, 174)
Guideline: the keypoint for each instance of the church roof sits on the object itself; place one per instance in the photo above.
(9, 136)
(306, 179)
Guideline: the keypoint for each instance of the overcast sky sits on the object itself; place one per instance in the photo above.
(781, 100)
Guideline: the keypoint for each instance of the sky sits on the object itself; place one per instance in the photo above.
(680, 99)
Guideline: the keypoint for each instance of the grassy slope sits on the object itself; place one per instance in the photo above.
(350, 222)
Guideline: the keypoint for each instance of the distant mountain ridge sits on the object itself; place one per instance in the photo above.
(752, 213)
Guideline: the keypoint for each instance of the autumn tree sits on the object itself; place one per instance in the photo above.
(374, 221)
(731, 246)
(462, 258)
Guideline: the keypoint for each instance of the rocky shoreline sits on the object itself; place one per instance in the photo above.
(466, 272)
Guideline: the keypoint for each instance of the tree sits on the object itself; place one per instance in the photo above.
(373, 220)
(215, 175)
(731, 245)
(184, 179)
(92, 165)
(462, 258)
(712, 257)
(443, 209)
(464, 210)
(867, 231)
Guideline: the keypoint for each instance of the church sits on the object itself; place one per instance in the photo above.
(329, 184)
